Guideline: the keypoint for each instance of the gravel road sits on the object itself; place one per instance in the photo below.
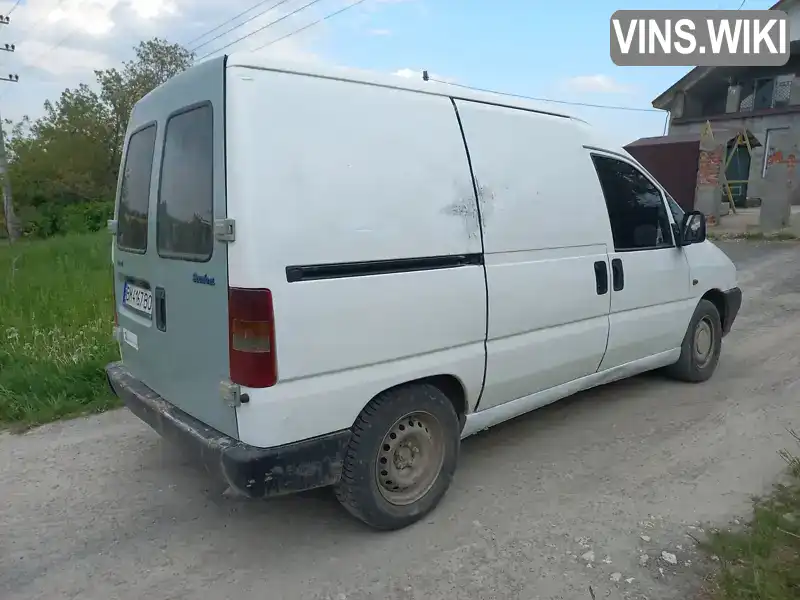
(572, 495)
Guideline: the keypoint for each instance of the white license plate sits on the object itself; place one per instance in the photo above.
(138, 298)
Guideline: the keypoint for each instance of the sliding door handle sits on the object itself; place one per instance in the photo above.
(617, 274)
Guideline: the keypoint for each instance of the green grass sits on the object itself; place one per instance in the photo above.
(56, 318)
(761, 561)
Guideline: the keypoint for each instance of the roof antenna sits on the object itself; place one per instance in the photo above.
(425, 76)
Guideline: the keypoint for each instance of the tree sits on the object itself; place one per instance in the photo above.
(156, 61)
(68, 159)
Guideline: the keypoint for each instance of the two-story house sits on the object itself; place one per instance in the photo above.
(758, 99)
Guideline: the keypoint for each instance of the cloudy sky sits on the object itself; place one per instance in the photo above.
(556, 50)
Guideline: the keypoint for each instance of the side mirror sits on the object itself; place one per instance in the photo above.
(693, 228)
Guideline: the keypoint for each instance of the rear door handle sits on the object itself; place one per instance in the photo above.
(617, 274)
(161, 308)
(601, 277)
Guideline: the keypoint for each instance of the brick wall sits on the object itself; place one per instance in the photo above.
(758, 126)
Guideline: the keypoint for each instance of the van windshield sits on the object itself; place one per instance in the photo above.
(134, 195)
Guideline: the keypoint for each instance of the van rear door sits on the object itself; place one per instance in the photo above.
(171, 273)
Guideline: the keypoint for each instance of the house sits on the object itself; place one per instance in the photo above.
(757, 99)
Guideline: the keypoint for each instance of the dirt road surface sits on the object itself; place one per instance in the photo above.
(573, 495)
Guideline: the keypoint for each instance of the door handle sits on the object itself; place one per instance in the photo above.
(617, 274)
(161, 308)
(601, 277)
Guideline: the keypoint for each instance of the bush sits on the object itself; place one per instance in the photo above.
(51, 219)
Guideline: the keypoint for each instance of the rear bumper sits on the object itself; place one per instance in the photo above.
(733, 302)
(254, 472)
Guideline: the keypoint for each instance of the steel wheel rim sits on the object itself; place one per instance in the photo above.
(704, 342)
(410, 458)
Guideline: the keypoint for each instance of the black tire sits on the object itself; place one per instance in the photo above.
(364, 489)
(690, 366)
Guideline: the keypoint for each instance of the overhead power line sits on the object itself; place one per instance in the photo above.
(477, 89)
(554, 101)
(47, 50)
(318, 21)
(245, 22)
(252, 33)
(200, 37)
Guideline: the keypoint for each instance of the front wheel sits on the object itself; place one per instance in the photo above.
(401, 457)
(701, 346)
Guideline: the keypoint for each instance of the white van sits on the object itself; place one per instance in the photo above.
(324, 277)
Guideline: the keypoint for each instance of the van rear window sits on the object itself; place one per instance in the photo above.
(134, 196)
(186, 194)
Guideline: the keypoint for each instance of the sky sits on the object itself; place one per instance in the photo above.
(552, 50)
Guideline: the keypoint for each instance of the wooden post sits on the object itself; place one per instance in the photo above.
(8, 204)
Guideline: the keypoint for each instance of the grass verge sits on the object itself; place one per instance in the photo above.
(56, 313)
(779, 236)
(761, 561)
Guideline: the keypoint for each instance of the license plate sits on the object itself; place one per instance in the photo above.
(138, 298)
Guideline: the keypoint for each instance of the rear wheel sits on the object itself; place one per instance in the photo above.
(401, 457)
(701, 346)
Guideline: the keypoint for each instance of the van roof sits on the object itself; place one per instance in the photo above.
(254, 60)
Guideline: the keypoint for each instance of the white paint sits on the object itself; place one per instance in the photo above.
(262, 62)
(541, 245)
(330, 166)
(487, 418)
(351, 173)
(332, 179)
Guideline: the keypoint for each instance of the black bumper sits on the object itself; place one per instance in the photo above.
(733, 302)
(254, 472)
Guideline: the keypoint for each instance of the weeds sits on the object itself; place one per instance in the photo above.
(778, 236)
(762, 560)
(56, 314)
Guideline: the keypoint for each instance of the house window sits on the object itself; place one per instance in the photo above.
(763, 89)
(768, 92)
(746, 103)
(768, 148)
(783, 90)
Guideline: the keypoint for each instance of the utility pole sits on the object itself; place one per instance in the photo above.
(8, 204)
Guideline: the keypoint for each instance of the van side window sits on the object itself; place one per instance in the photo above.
(134, 195)
(636, 209)
(186, 193)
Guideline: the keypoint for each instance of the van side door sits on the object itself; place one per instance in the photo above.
(650, 288)
(545, 250)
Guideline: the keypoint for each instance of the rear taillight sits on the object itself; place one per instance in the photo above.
(251, 338)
